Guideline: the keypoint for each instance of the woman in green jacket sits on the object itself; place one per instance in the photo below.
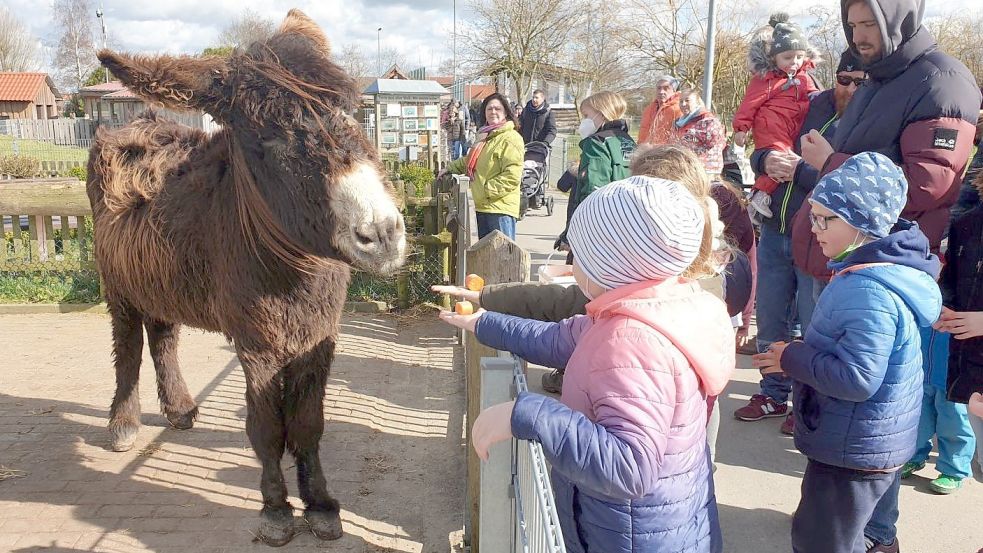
(494, 165)
(605, 151)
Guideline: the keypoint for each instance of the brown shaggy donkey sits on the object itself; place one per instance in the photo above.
(249, 232)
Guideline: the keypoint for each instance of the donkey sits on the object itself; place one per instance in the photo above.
(250, 232)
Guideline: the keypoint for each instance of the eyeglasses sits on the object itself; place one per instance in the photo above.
(843, 80)
(821, 222)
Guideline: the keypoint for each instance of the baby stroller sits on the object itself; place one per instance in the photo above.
(535, 172)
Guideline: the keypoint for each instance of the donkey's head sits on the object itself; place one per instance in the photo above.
(286, 105)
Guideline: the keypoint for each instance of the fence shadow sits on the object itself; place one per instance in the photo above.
(392, 439)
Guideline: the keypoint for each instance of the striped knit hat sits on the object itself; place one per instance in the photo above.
(637, 229)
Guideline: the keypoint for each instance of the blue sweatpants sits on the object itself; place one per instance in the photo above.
(949, 422)
(836, 503)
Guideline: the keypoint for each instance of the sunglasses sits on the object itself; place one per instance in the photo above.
(821, 222)
(843, 80)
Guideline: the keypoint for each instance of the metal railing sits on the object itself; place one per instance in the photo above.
(516, 495)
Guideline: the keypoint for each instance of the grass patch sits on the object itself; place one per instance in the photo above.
(43, 151)
(49, 287)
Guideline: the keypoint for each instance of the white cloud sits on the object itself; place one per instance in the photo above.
(421, 29)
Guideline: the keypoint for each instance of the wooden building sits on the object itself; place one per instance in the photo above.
(27, 96)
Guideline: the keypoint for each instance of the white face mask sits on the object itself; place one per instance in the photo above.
(587, 127)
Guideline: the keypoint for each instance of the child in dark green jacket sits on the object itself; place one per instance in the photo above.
(605, 151)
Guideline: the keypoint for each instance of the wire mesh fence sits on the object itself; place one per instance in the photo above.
(47, 259)
(29, 148)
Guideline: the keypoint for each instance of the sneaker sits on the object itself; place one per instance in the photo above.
(788, 425)
(760, 202)
(945, 484)
(911, 467)
(761, 407)
(553, 382)
(881, 548)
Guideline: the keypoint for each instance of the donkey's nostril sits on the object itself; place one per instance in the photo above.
(366, 234)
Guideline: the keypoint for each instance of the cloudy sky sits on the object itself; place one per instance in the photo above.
(421, 29)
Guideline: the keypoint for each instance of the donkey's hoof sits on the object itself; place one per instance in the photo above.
(181, 421)
(123, 438)
(324, 524)
(275, 531)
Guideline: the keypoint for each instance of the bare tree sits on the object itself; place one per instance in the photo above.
(246, 29)
(354, 61)
(596, 57)
(391, 57)
(18, 47)
(826, 36)
(75, 56)
(957, 34)
(515, 38)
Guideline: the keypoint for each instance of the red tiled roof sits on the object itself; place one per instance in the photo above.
(20, 87)
(111, 86)
(124, 94)
(479, 91)
(446, 81)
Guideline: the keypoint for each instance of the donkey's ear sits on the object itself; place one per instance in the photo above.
(297, 23)
(183, 82)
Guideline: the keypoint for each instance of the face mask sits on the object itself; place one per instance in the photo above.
(849, 249)
(587, 127)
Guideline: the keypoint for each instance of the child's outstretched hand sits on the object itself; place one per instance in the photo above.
(467, 322)
(961, 324)
(740, 138)
(976, 404)
(493, 425)
(770, 362)
(458, 292)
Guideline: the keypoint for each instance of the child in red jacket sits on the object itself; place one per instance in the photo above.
(777, 98)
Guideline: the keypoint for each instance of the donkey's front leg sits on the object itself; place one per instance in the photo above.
(264, 426)
(303, 409)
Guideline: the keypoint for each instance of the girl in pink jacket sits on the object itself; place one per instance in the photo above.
(627, 440)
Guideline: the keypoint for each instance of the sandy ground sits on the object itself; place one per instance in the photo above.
(392, 449)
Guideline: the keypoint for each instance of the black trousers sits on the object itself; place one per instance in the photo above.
(835, 506)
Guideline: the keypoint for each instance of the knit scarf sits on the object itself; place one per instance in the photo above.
(681, 122)
(475, 152)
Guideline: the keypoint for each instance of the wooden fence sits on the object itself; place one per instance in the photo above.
(51, 209)
(497, 259)
(46, 219)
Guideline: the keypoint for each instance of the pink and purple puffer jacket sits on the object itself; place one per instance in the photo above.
(627, 440)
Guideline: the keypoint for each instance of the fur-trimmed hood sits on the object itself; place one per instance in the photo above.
(759, 60)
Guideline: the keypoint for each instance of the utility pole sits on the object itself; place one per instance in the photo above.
(378, 61)
(454, 58)
(102, 19)
(711, 47)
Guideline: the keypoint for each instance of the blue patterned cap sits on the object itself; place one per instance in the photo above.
(868, 192)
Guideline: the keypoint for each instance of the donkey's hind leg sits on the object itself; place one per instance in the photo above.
(124, 415)
(175, 401)
(303, 399)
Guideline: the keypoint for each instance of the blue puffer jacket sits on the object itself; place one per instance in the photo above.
(858, 374)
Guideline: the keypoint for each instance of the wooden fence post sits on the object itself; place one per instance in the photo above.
(497, 259)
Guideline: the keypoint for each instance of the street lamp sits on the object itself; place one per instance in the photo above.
(102, 20)
(378, 61)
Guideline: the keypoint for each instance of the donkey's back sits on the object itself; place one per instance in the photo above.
(150, 215)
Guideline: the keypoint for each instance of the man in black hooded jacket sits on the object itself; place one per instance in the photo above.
(537, 124)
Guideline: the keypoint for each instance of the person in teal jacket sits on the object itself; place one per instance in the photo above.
(605, 151)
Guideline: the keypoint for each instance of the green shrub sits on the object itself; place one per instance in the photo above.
(77, 172)
(20, 167)
(419, 176)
